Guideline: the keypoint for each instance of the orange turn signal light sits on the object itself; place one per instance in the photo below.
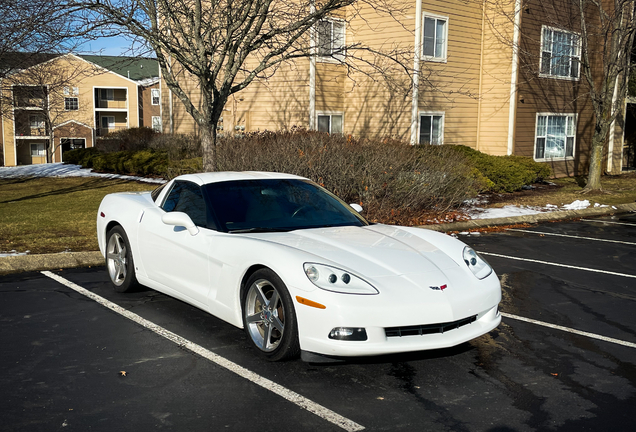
(307, 302)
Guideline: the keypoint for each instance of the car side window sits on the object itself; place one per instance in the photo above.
(186, 197)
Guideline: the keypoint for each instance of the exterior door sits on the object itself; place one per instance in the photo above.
(72, 144)
(171, 255)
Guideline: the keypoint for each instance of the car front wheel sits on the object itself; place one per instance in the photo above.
(119, 260)
(269, 317)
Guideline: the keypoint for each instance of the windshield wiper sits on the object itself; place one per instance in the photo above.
(258, 230)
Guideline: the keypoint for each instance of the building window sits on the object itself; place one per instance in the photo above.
(108, 122)
(71, 91)
(107, 94)
(156, 123)
(560, 53)
(434, 37)
(155, 96)
(36, 122)
(37, 149)
(71, 103)
(432, 128)
(72, 143)
(555, 136)
(331, 39)
(330, 122)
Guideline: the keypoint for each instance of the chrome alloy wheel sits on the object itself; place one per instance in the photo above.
(265, 315)
(116, 258)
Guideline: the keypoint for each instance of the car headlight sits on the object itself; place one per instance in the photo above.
(476, 263)
(337, 280)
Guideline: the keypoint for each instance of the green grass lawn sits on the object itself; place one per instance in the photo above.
(620, 189)
(47, 215)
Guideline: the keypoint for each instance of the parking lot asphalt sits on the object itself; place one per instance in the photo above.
(64, 355)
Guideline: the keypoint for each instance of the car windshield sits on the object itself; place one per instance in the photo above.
(277, 205)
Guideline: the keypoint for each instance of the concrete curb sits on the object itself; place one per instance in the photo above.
(24, 263)
(532, 219)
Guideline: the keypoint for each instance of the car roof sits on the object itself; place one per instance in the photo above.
(215, 177)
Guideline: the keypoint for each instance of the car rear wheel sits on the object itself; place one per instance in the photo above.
(119, 260)
(269, 318)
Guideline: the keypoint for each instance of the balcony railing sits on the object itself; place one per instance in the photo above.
(118, 103)
(102, 132)
(30, 132)
(28, 102)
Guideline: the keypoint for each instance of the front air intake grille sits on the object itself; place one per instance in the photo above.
(426, 329)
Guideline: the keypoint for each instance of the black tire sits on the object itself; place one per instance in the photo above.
(269, 318)
(119, 260)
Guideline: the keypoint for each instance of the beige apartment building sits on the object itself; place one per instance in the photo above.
(72, 101)
(499, 76)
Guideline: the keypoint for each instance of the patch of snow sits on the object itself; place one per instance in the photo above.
(478, 200)
(577, 205)
(506, 211)
(12, 253)
(148, 81)
(510, 210)
(65, 170)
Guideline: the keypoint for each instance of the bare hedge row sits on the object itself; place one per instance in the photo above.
(386, 177)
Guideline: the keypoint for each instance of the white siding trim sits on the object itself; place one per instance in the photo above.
(610, 144)
(415, 118)
(312, 73)
(513, 78)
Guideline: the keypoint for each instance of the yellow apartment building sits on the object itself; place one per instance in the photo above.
(72, 101)
(500, 76)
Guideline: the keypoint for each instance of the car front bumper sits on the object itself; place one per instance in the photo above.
(420, 320)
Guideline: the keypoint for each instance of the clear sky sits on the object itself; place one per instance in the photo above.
(111, 46)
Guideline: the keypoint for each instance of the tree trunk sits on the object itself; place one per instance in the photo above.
(596, 162)
(208, 145)
(50, 146)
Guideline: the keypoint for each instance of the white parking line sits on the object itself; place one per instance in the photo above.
(267, 384)
(570, 330)
(609, 222)
(571, 236)
(559, 265)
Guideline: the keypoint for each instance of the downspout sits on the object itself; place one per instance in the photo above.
(15, 141)
(416, 71)
(513, 79)
(51, 134)
(4, 157)
(481, 74)
(170, 113)
(170, 103)
(610, 144)
(312, 72)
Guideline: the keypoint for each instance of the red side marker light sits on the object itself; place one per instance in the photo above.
(102, 214)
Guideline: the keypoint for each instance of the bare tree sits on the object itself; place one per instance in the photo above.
(607, 40)
(223, 45)
(30, 29)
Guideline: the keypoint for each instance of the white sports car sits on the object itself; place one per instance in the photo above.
(297, 268)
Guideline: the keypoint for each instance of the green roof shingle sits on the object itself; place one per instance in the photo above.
(134, 68)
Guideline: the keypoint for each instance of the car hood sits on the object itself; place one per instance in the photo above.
(374, 251)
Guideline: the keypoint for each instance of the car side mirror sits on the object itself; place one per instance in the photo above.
(356, 207)
(180, 219)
